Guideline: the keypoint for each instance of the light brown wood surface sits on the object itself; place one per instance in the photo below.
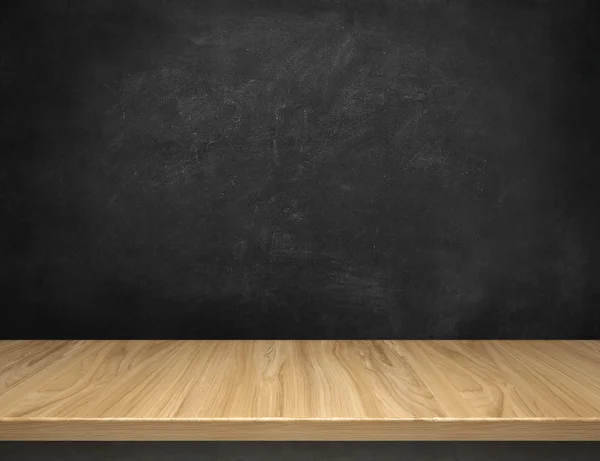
(299, 390)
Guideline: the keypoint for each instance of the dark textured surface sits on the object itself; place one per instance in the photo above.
(292, 451)
(299, 169)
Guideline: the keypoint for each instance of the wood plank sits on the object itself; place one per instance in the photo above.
(300, 390)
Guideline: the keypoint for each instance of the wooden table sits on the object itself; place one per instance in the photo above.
(299, 390)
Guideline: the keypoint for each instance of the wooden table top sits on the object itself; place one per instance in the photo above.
(299, 390)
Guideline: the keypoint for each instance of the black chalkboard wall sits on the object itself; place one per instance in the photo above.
(219, 169)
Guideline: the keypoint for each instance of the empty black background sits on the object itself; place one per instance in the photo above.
(296, 451)
(299, 169)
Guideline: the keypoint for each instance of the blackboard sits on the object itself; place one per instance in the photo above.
(415, 168)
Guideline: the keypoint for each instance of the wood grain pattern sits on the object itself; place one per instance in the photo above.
(300, 390)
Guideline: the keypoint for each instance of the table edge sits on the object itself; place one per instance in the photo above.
(300, 429)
